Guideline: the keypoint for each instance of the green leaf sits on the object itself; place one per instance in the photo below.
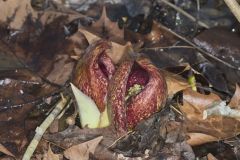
(104, 119)
(88, 110)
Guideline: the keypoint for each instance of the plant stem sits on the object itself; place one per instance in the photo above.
(43, 127)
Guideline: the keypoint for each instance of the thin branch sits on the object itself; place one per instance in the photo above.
(39, 100)
(43, 127)
(234, 7)
(198, 48)
(185, 13)
(166, 47)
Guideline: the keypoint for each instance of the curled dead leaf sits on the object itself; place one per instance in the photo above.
(105, 28)
(199, 138)
(214, 127)
(5, 151)
(82, 151)
(211, 157)
(51, 156)
(16, 11)
(175, 83)
(118, 51)
(158, 37)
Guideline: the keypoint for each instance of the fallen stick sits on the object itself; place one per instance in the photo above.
(234, 7)
(202, 24)
(197, 48)
(43, 127)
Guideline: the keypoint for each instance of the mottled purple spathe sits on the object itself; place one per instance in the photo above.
(126, 114)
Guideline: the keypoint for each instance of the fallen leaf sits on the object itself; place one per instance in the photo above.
(214, 76)
(199, 138)
(107, 29)
(235, 101)
(220, 127)
(41, 42)
(74, 135)
(5, 151)
(118, 51)
(82, 151)
(7, 59)
(211, 157)
(47, 56)
(15, 12)
(89, 36)
(160, 128)
(175, 83)
(158, 37)
(223, 44)
(54, 127)
(20, 90)
(20, 86)
(51, 156)
(49, 16)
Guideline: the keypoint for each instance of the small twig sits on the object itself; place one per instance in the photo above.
(55, 144)
(234, 7)
(198, 15)
(167, 47)
(198, 6)
(119, 138)
(176, 110)
(64, 110)
(43, 127)
(198, 48)
(185, 13)
(37, 101)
